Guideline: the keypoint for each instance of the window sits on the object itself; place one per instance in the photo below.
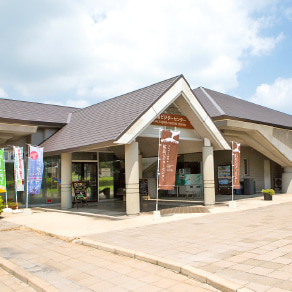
(246, 166)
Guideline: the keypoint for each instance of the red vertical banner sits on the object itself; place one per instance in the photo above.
(168, 159)
(236, 165)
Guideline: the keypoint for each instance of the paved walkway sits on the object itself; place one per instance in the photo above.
(9, 283)
(71, 267)
(250, 245)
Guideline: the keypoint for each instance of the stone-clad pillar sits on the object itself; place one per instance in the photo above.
(66, 180)
(132, 178)
(287, 180)
(208, 175)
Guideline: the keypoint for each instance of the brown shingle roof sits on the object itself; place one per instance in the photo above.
(33, 113)
(219, 105)
(108, 120)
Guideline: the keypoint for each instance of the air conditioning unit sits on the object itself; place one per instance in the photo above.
(278, 184)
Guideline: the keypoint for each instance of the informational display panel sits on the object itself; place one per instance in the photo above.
(79, 189)
(143, 186)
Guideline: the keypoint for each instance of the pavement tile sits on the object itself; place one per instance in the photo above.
(165, 283)
(253, 245)
(282, 260)
(236, 259)
(146, 288)
(280, 275)
(273, 265)
(242, 267)
(182, 287)
(286, 268)
(269, 256)
(260, 271)
(287, 285)
(258, 287)
(277, 290)
(253, 262)
(101, 286)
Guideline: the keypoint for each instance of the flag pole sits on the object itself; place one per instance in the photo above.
(27, 211)
(15, 185)
(232, 204)
(156, 212)
(232, 170)
(27, 172)
(158, 170)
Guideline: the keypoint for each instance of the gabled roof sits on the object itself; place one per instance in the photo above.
(221, 106)
(14, 111)
(108, 120)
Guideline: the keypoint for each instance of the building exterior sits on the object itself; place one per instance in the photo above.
(114, 144)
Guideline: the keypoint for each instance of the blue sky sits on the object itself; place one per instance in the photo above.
(78, 53)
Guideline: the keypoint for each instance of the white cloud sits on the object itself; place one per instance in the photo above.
(276, 95)
(288, 13)
(78, 103)
(99, 49)
(3, 94)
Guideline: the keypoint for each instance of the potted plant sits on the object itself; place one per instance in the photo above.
(11, 204)
(268, 194)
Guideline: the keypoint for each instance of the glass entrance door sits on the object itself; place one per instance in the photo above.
(87, 172)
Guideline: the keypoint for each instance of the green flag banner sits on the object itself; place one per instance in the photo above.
(2, 172)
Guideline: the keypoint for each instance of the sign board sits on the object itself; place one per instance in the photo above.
(172, 121)
(35, 171)
(18, 169)
(79, 190)
(236, 165)
(2, 172)
(168, 159)
(105, 172)
(143, 186)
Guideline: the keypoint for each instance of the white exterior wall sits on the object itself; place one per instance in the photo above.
(66, 180)
(132, 178)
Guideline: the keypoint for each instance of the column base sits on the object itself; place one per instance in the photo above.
(156, 215)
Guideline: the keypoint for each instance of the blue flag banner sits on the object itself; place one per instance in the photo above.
(35, 172)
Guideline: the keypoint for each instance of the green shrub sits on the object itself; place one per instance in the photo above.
(10, 184)
(13, 205)
(269, 191)
(1, 204)
(106, 181)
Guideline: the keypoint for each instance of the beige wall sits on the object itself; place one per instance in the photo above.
(255, 166)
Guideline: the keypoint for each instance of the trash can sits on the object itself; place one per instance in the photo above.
(239, 191)
(248, 186)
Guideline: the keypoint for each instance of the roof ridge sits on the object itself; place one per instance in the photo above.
(111, 98)
(58, 105)
(244, 100)
(221, 111)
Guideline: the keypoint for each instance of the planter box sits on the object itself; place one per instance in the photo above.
(268, 197)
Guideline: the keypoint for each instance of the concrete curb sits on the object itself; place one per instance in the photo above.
(26, 277)
(186, 270)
